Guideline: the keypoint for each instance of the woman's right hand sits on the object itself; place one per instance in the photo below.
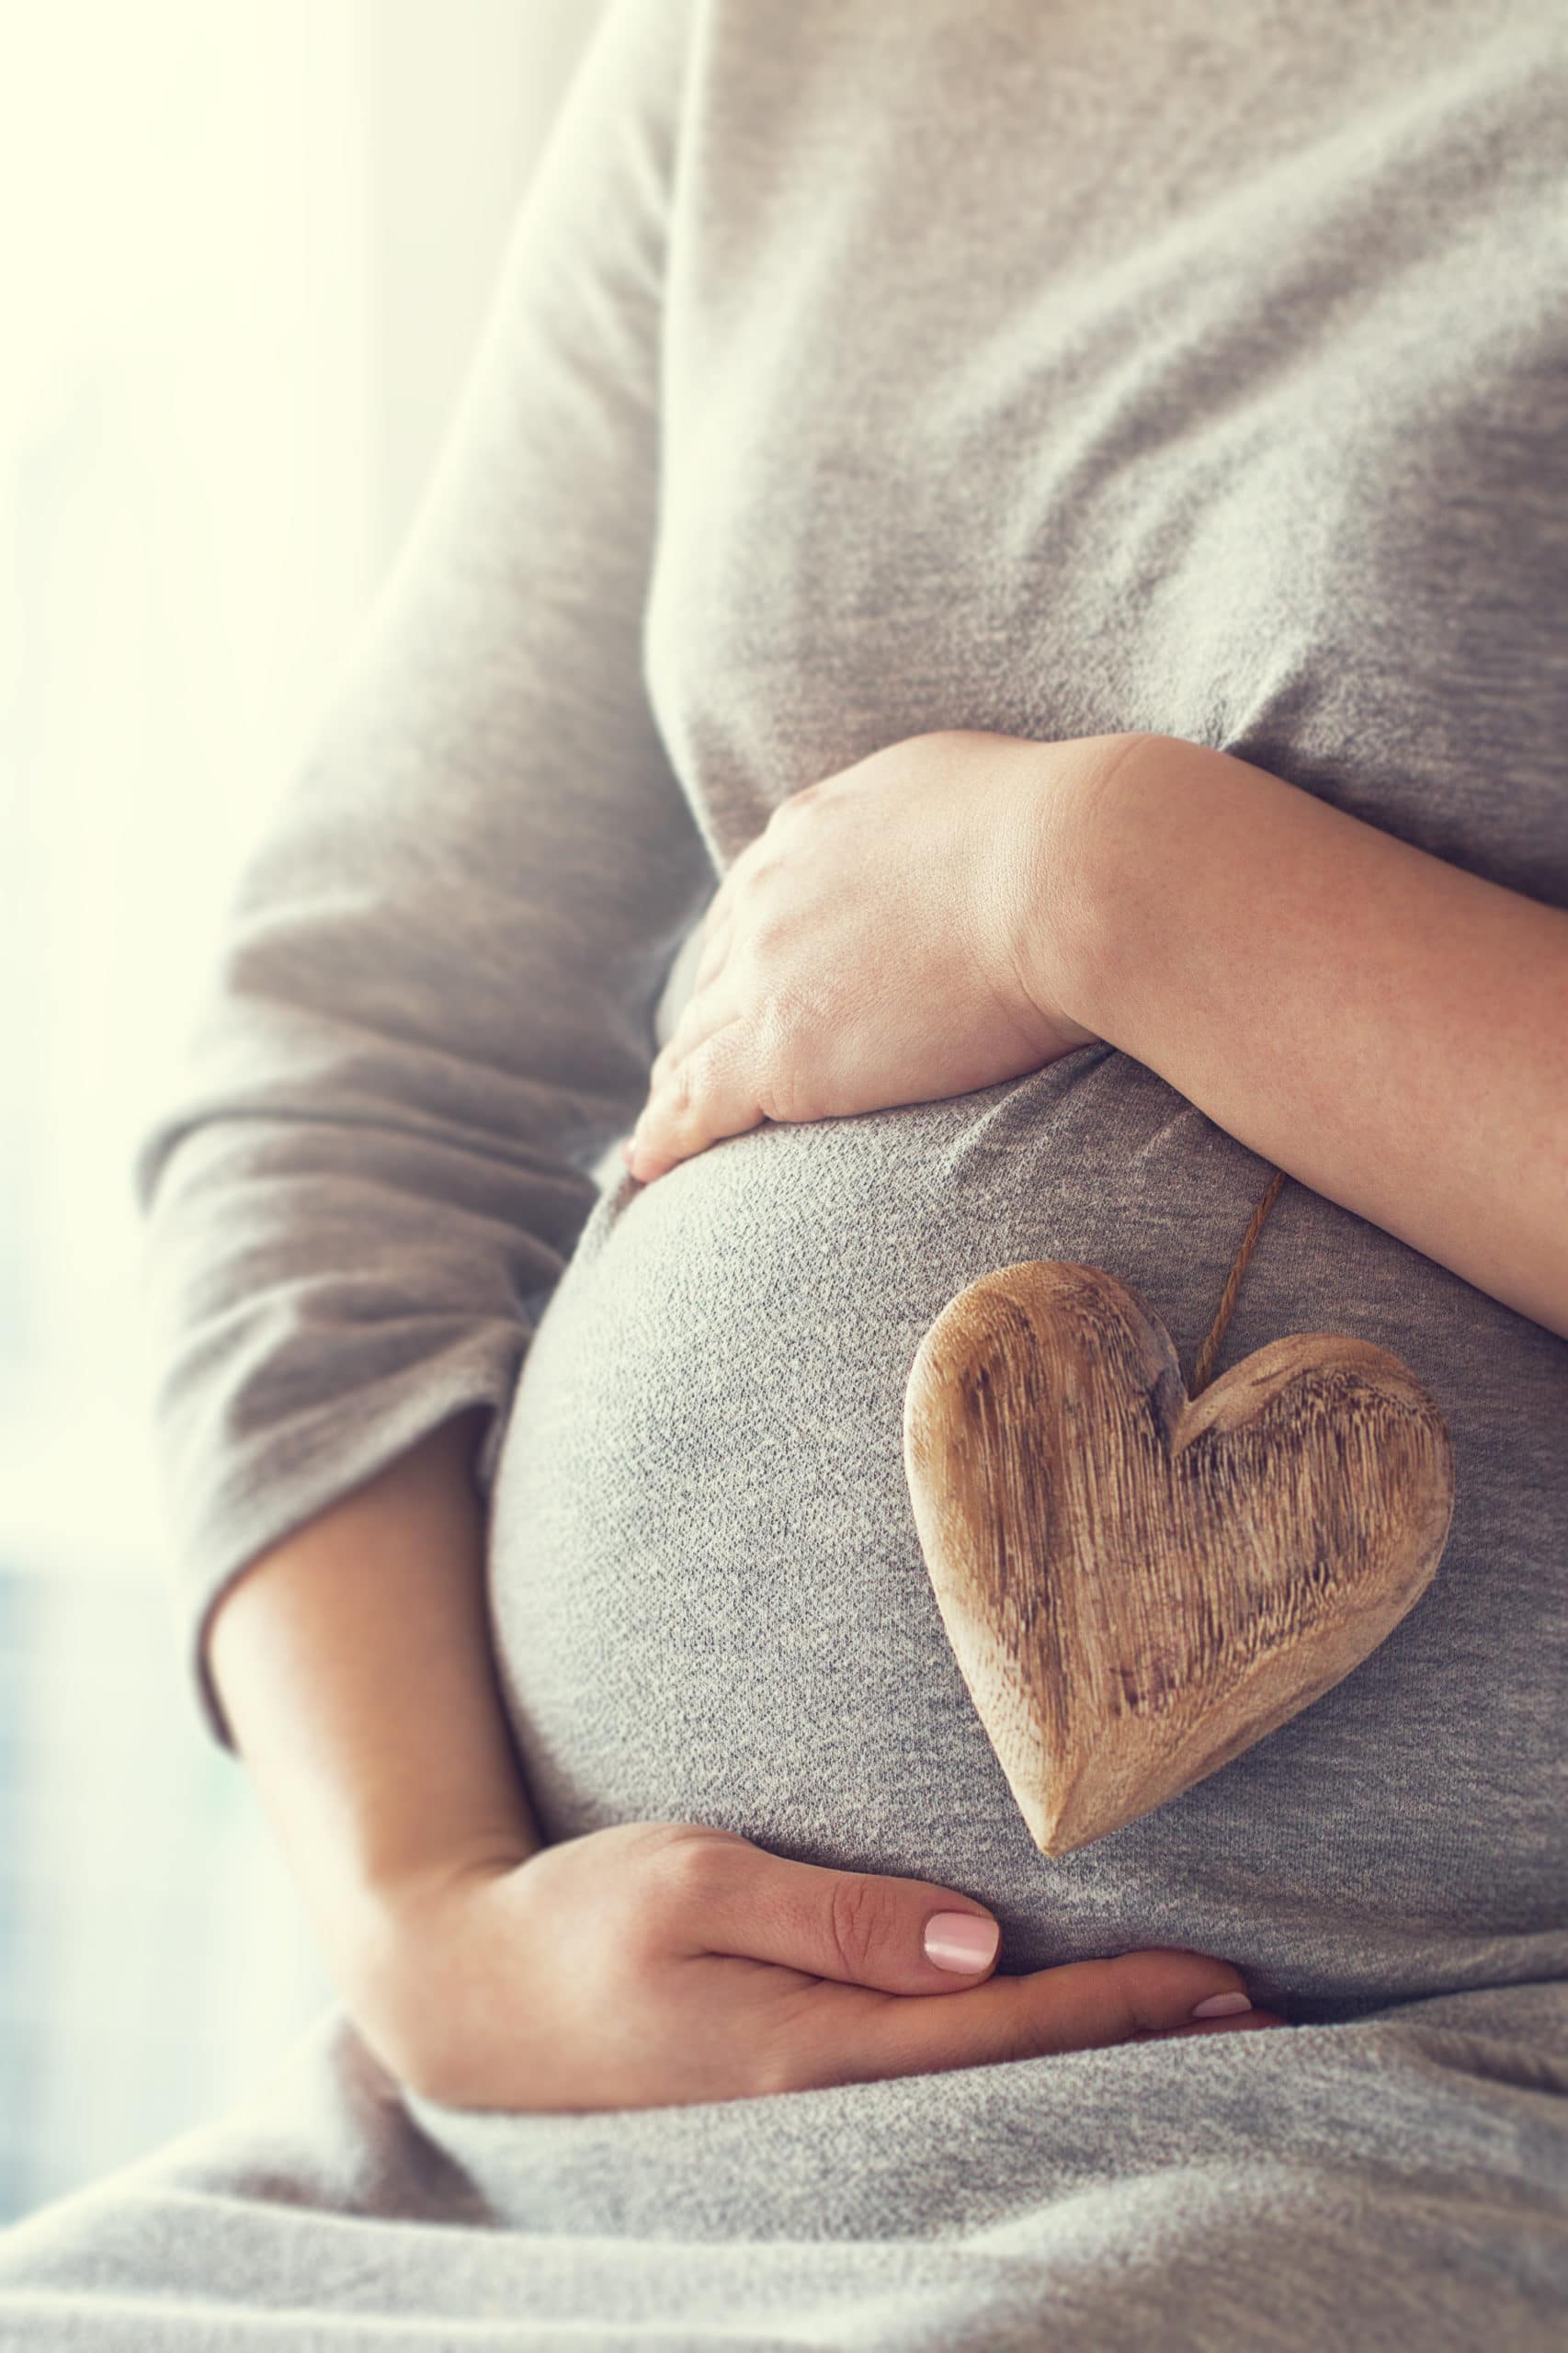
(655, 1964)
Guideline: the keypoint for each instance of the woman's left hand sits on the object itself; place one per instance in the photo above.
(896, 934)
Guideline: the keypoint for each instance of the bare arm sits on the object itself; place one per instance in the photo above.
(1388, 1028)
(354, 1663)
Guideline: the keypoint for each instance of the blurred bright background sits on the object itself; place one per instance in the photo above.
(245, 250)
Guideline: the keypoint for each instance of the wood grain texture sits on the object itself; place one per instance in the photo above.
(1137, 1584)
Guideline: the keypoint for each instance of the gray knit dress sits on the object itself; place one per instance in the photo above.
(860, 370)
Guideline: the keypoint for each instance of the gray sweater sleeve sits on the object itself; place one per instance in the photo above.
(431, 1010)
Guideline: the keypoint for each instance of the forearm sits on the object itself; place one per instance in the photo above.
(1388, 1029)
(354, 1662)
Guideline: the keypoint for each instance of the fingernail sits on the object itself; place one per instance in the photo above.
(961, 1940)
(1222, 2006)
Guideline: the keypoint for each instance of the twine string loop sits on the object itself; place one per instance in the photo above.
(1210, 1349)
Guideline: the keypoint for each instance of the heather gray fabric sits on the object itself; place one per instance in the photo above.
(859, 372)
(1387, 2186)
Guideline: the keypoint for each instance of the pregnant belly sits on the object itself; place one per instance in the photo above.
(710, 1604)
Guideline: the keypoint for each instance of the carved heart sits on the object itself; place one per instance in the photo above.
(1137, 1584)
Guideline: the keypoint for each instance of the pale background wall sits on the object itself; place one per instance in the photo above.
(247, 245)
(461, 96)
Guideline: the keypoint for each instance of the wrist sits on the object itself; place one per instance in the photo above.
(1153, 834)
(369, 1920)
(477, 1854)
(1081, 825)
(408, 1957)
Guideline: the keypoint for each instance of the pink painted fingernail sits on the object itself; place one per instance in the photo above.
(961, 1940)
(1222, 2006)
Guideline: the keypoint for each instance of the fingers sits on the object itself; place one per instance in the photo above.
(1244, 2024)
(1079, 2005)
(700, 1091)
(699, 1016)
(650, 1149)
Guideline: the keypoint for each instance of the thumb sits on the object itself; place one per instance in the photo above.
(900, 1936)
(1077, 2006)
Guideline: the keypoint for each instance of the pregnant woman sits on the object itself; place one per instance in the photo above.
(984, 667)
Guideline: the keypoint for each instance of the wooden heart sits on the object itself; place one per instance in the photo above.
(1137, 1584)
